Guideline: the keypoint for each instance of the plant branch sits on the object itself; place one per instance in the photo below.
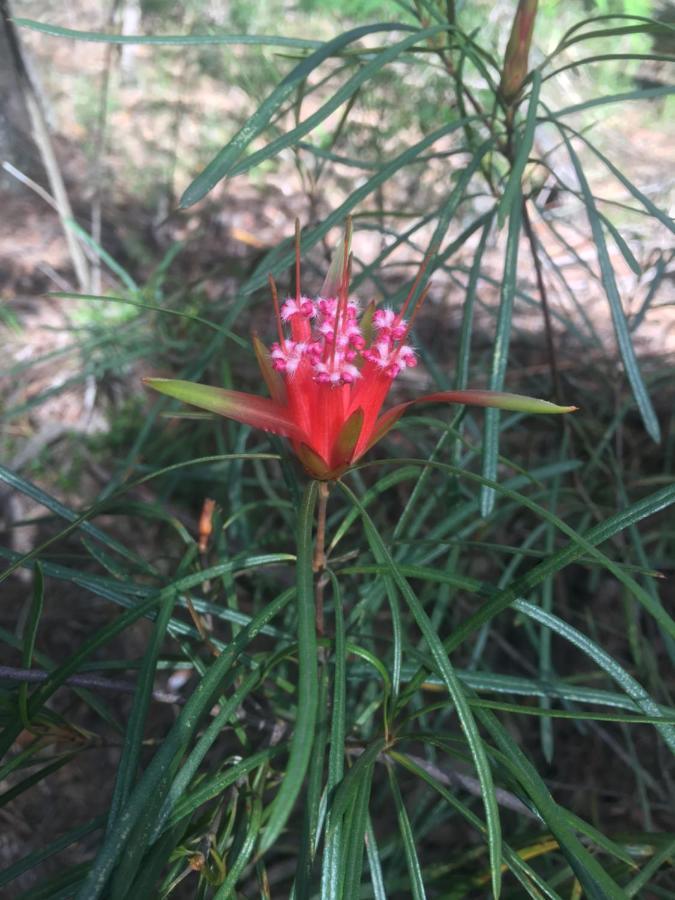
(92, 682)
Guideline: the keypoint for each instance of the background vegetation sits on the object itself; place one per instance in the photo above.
(491, 707)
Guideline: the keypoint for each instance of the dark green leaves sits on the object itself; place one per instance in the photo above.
(221, 165)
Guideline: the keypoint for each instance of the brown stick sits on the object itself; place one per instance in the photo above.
(91, 682)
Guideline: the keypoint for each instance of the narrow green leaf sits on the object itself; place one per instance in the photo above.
(182, 40)
(19, 788)
(500, 353)
(307, 845)
(640, 94)
(455, 689)
(464, 349)
(332, 861)
(621, 329)
(624, 249)
(303, 735)
(519, 867)
(523, 148)
(354, 830)
(188, 771)
(604, 661)
(156, 779)
(133, 741)
(226, 889)
(105, 257)
(376, 876)
(28, 638)
(154, 863)
(637, 23)
(417, 891)
(211, 787)
(642, 198)
(78, 521)
(346, 91)
(60, 674)
(348, 787)
(606, 57)
(221, 164)
(595, 880)
(58, 887)
(660, 858)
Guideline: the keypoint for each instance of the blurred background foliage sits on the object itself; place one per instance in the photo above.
(101, 484)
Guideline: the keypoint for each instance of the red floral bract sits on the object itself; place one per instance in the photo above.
(329, 374)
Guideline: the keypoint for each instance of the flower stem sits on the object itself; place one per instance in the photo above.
(319, 561)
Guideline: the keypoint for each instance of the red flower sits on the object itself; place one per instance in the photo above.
(329, 376)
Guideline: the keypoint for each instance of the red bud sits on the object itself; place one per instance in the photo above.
(518, 50)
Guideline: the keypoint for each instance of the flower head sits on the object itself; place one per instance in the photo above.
(329, 373)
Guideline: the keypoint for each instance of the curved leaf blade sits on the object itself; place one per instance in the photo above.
(221, 164)
(260, 412)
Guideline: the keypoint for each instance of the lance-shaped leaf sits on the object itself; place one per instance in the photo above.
(494, 399)
(247, 408)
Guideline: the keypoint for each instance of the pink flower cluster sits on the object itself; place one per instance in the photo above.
(328, 342)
